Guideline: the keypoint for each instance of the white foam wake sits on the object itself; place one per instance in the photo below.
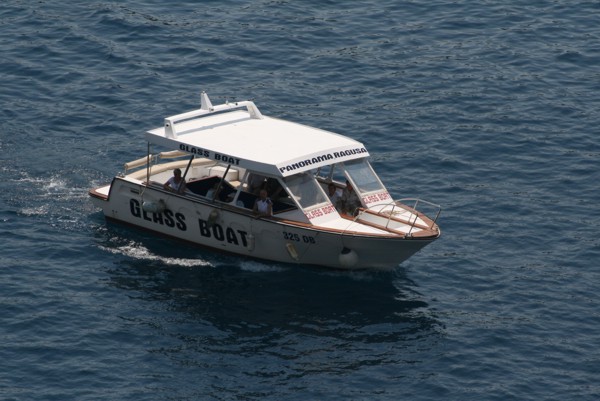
(137, 251)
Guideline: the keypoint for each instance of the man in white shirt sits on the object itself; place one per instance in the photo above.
(263, 205)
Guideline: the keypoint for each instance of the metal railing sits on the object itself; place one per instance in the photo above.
(152, 159)
(389, 211)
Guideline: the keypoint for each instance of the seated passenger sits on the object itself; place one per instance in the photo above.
(263, 205)
(350, 201)
(212, 192)
(175, 183)
(335, 196)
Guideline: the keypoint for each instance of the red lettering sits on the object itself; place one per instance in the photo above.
(376, 197)
(328, 209)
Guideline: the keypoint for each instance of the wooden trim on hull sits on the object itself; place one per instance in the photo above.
(388, 233)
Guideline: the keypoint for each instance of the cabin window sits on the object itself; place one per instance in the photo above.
(363, 176)
(305, 189)
(325, 172)
(332, 172)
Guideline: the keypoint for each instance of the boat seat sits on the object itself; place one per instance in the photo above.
(201, 187)
(248, 199)
(280, 207)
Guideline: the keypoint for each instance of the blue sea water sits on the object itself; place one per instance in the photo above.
(491, 109)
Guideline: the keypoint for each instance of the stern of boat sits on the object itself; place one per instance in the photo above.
(99, 195)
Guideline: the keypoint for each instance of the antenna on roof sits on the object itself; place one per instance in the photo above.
(205, 103)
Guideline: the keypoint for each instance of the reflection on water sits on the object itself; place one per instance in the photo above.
(235, 292)
(289, 320)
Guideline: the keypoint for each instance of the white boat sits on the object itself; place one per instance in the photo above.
(231, 150)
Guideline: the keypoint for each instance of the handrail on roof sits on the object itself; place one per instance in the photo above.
(206, 107)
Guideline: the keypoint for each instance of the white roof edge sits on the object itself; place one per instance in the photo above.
(309, 162)
(289, 152)
(214, 155)
(291, 167)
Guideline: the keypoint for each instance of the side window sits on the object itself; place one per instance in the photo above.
(338, 174)
(305, 189)
(325, 171)
(363, 176)
(333, 172)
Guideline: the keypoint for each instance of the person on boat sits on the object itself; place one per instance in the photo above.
(335, 195)
(350, 201)
(212, 192)
(263, 205)
(175, 183)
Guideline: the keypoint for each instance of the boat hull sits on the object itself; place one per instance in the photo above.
(223, 227)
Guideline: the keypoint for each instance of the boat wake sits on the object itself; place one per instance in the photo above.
(137, 251)
(42, 195)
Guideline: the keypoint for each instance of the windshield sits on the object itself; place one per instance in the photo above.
(362, 175)
(305, 189)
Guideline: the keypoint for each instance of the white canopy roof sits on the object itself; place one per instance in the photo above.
(239, 134)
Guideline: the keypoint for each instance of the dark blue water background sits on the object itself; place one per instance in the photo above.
(489, 108)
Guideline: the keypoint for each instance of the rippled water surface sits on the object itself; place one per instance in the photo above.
(489, 109)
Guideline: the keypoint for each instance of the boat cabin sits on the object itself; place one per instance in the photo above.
(234, 152)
